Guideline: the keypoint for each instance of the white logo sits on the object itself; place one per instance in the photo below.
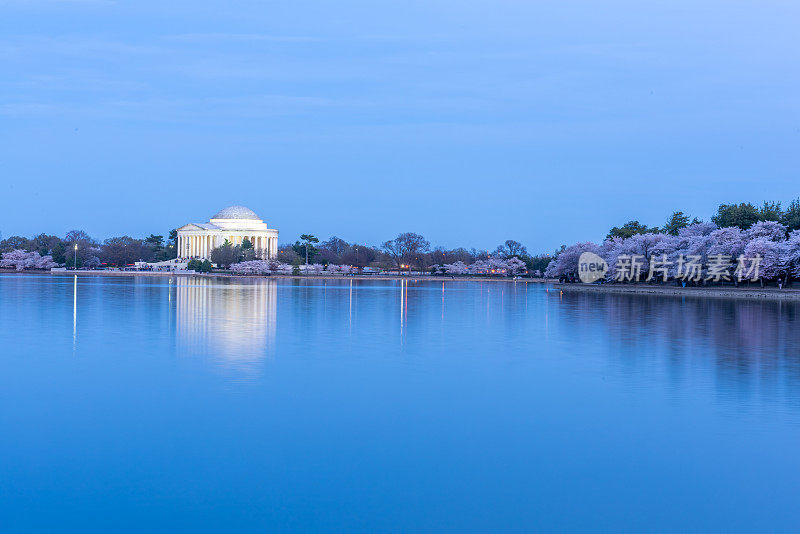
(591, 267)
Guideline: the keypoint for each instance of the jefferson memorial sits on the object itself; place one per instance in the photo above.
(234, 224)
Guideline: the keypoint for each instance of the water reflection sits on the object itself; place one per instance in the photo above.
(74, 313)
(747, 343)
(234, 323)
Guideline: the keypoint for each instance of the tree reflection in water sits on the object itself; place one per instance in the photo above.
(754, 345)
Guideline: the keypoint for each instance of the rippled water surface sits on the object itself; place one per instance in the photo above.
(144, 404)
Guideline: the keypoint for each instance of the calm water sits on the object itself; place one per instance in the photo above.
(148, 404)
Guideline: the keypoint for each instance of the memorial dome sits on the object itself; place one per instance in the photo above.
(236, 212)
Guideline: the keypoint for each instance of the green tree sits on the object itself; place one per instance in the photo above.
(305, 247)
(246, 244)
(677, 221)
(770, 211)
(226, 254)
(206, 267)
(155, 241)
(629, 229)
(538, 263)
(59, 252)
(15, 242)
(194, 265)
(791, 217)
(743, 215)
(170, 251)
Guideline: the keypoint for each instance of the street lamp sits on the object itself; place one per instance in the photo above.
(75, 261)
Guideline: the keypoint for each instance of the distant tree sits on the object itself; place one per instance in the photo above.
(771, 230)
(15, 242)
(92, 262)
(246, 244)
(335, 245)
(515, 266)
(21, 260)
(43, 244)
(770, 211)
(194, 265)
(332, 250)
(78, 236)
(769, 251)
(566, 262)
(87, 248)
(206, 267)
(155, 241)
(358, 256)
(443, 256)
(170, 250)
(287, 254)
(407, 248)
(226, 254)
(58, 252)
(791, 217)
(456, 268)
(743, 215)
(538, 263)
(125, 250)
(305, 247)
(629, 229)
(254, 267)
(510, 249)
(677, 221)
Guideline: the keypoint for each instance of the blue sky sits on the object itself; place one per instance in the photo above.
(468, 122)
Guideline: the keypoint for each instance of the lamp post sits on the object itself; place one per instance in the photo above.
(75, 260)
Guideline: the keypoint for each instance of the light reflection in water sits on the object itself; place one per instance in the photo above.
(232, 322)
(403, 308)
(74, 313)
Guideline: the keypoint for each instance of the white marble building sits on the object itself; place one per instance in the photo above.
(234, 223)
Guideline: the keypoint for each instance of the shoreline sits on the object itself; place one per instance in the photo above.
(767, 293)
(279, 276)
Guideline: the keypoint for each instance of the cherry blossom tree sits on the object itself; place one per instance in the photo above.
(697, 229)
(515, 266)
(313, 269)
(458, 267)
(790, 254)
(770, 265)
(479, 267)
(567, 260)
(21, 260)
(251, 267)
(640, 245)
(729, 241)
(774, 231)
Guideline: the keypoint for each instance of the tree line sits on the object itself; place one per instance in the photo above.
(408, 250)
(768, 236)
(741, 216)
(78, 249)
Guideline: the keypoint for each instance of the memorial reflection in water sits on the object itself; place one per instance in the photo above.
(230, 321)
